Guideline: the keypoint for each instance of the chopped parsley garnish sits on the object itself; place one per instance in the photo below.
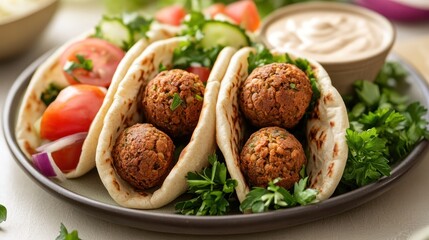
(82, 63)
(212, 189)
(384, 127)
(199, 97)
(65, 235)
(3, 213)
(50, 94)
(161, 68)
(274, 197)
(189, 53)
(177, 101)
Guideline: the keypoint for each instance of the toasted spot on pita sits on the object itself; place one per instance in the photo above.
(313, 133)
(332, 124)
(116, 185)
(29, 148)
(321, 140)
(316, 112)
(328, 98)
(29, 127)
(336, 150)
(331, 166)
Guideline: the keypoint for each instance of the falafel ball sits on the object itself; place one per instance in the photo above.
(276, 94)
(173, 101)
(270, 153)
(142, 155)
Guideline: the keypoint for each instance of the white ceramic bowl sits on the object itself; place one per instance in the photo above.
(19, 32)
(346, 69)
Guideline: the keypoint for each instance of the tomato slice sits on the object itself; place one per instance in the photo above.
(91, 61)
(72, 111)
(213, 10)
(244, 13)
(68, 157)
(172, 15)
(202, 72)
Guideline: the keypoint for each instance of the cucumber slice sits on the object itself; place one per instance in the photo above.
(224, 34)
(115, 31)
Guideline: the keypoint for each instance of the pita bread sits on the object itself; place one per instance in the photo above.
(49, 72)
(125, 112)
(325, 129)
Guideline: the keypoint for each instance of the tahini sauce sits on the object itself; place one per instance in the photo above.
(325, 35)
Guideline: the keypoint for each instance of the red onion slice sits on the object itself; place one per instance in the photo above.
(45, 164)
(43, 160)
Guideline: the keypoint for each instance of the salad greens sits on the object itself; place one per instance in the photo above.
(212, 189)
(201, 47)
(275, 197)
(65, 235)
(264, 6)
(384, 128)
(50, 94)
(3, 213)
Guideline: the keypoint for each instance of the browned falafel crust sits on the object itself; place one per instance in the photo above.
(158, 98)
(270, 153)
(276, 94)
(142, 155)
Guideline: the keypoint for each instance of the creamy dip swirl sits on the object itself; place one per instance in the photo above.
(325, 35)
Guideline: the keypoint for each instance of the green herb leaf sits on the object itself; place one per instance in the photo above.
(3, 213)
(212, 190)
(366, 162)
(65, 235)
(275, 197)
(50, 94)
(384, 127)
(302, 195)
(81, 63)
(177, 101)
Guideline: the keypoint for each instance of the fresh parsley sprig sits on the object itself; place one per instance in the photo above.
(82, 63)
(3, 213)
(384, 127)
(212, 190)
(50, 93)
(65, 235)
(275, 197)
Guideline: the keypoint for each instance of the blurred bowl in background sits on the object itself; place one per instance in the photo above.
(20, 27)
(400, 10)
(349, 41)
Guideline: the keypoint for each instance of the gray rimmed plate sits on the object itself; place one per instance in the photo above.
(89, 195)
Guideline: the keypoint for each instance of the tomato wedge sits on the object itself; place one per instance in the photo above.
(172, 15)
(72, 111)
(202, 72)
(68, 157)
(245, 13)
(213, 10)
(91, 61)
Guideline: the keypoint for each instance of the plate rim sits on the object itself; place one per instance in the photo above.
(203, 225)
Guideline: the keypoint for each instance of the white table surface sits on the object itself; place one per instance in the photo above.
(36, 214)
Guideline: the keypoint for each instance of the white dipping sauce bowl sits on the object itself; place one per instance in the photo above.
(344, 68)
(19, 32)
